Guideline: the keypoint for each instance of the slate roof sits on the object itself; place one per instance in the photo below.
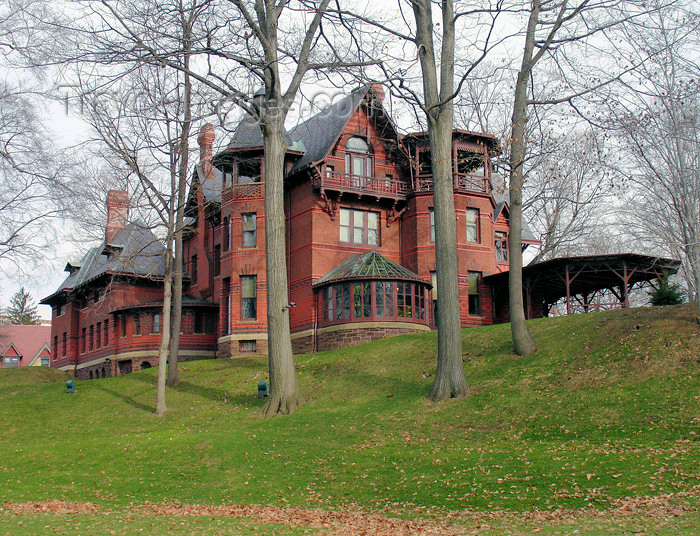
(211, 186)
(370, 265)
(319, 133)
(501, 196)
(248, 135)
(134, 250)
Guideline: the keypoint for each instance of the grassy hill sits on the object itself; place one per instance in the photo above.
(603, 418)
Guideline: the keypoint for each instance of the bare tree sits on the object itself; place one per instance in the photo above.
(553, 28)
(31, 174)
(266, 42)
(438, 95)
(658, 120)
(567, 193)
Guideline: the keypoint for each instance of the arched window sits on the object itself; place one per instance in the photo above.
(358, 160)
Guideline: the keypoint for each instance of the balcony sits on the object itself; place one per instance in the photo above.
(246, 190)
(386, 188)
(462, 182)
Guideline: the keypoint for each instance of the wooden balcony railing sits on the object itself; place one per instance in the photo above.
(461, 182)
(246, 190)
(375, 186)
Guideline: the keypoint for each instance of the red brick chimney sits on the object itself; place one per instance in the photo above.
(117, 213)
(206, 141)
(378, 91)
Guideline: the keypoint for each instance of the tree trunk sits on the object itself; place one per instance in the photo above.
(522, 340)
(449, 377)
(284, 395)
(161, 407)
(179, 223)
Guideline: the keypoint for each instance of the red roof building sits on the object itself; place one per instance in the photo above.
(360, 244)
(24, 346)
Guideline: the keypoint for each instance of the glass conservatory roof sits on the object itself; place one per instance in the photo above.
(370, 265)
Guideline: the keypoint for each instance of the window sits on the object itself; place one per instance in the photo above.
(137, 324)
(359, 227)
(367, 300)
(474, 279)
(384, 298)
(249, 229)
(11, 362)
(83, 342)
(45, 361)
(501, 241)
(472, 216)
(61, 310)
(217, 260)
(362, 300)
(193, 266)
(249, 297)
(226, 234)
(329, 171)
(156, 323)
(123, 323)
(106, 332)
(63, 346)
(98, 335)
(55, 346)
(226, 290)
(248, 346)
(404, 300)
(432, 224)
(358, 160)
(337, 302)
(92, 338)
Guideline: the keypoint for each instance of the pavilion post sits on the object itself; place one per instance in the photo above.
(568, 291)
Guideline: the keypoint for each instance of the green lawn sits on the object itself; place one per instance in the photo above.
(606, 412)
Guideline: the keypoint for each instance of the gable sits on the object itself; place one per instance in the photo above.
(11, 351)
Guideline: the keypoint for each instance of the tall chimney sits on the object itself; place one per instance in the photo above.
(117, 213)
(206, 141)
(378, 91)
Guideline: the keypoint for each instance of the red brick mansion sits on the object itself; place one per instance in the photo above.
(360, 246)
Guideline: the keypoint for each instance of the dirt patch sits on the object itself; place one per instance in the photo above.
(333, 523)
(50, 507)
(350, 522)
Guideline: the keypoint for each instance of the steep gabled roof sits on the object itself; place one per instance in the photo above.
(370, 265)
(134, 250)
(320, 132)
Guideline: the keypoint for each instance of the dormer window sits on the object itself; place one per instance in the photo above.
(358, 160)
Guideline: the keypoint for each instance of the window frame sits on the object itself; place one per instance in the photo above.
(249, 242)
(358, 301)
(474, 293)
(472, 225)
(501, 237)
(249, 304)
(365, 228)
